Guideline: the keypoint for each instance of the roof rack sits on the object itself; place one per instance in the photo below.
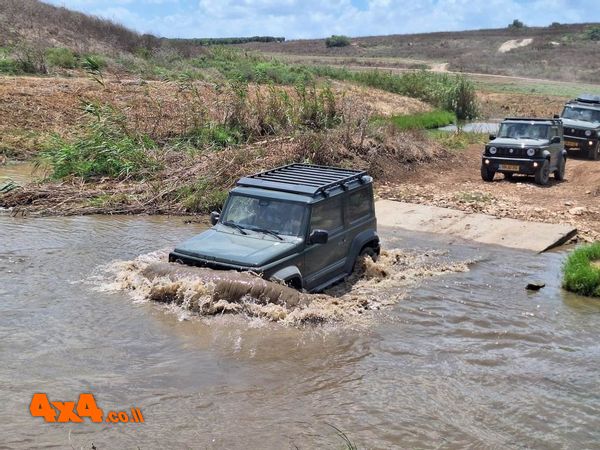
(303, 179)
(588, 98)
(534, 119)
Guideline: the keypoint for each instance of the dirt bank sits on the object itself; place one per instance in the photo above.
(33, 108)
(575, 201)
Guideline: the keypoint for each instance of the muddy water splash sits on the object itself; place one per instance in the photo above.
(206, 292)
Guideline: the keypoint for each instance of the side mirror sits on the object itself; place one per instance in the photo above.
(556, 116)
(318, 237)
(492, 137)
(555, 140)
(214, 217)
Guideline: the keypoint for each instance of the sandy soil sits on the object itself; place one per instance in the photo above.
(458, 185)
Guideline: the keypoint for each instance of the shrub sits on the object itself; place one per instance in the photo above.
(337, 41)
(106, 149)
(516, 24)
(427, 120)
(61, 57)
(593, 34)
(9, 66)
(580, 274)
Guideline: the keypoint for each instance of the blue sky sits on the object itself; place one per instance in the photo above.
(320, 18)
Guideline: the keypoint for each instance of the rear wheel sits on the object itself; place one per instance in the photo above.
(487, 174)
(542, 175)
(559, 173)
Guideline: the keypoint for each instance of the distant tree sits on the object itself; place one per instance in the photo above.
(516, 24)
(337, 41)
(593, 34)
(555, 25)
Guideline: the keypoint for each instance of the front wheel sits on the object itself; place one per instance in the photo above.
(594, 153)
(542, 175)
(359, 262)
(559, 173)
(487, 174)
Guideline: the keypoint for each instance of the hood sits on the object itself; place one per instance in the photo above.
(251, 250)
(518, 143)
(580, 124)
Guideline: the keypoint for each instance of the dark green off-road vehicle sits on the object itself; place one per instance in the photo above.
(581, 119)
(305, 225)
(526, 146)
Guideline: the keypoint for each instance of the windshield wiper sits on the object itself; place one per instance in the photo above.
(236, 226)
(264, 230)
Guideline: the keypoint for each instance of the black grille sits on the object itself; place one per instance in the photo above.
(575, 132)
(517, 152)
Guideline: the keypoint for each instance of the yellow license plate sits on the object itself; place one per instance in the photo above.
(571, 144)
(511, 167)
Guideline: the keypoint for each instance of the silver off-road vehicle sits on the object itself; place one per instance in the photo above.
(526, 146)
(581, 119)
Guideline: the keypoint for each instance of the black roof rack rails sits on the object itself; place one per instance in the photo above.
(303, 179)
(534, 119)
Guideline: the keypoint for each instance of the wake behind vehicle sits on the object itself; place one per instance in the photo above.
(526, 146)
(581, 119)
(302, 224)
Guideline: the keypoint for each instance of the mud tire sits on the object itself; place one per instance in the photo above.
(359, 266)
(559, 173)
(487, 175)
(542, 175)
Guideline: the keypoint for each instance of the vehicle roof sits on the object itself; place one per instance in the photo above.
(313, 181)
(585, 105)
(534, 119)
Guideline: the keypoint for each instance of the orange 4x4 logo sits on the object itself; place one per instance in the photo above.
(86, 406)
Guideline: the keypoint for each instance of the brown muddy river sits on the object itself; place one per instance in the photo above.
(464, 360)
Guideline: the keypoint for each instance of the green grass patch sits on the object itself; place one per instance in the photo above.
(581, 270)
(421, 121)
(457, 140)
(61, 57)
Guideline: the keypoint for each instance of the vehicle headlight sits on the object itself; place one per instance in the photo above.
(493, 150)
(530, 151)
(588, 133)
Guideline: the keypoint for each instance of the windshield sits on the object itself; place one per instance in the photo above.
(523, 130)
(585, 114)
(255, 213)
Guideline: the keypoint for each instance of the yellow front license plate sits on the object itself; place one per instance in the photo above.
(511, 167)
(572, 145)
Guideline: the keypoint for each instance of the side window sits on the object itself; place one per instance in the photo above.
(327, 215)
(359, 204)
(553, 132)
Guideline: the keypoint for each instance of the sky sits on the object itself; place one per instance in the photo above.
(299, 19)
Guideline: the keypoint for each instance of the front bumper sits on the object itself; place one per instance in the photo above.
(527, 166)
(580, 144)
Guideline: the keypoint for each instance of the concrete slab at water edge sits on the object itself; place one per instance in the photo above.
(483, 228)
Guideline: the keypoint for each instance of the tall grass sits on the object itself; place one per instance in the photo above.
(580, 274)
(449, 92)
(105, 149)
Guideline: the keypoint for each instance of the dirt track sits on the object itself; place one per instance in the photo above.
(575, 201)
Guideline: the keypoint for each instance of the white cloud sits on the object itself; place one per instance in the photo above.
(319, 18)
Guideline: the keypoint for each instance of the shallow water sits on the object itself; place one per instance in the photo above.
(474, 127)
(19, 173)
(466, 359)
